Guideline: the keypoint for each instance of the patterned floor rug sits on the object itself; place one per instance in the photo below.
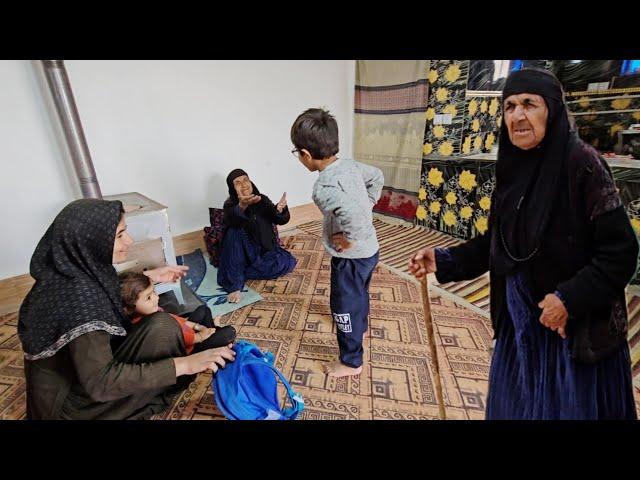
(293, 322)
(398, 242)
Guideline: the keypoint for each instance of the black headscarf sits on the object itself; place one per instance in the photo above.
(238, 172)
(76, 289)
(528, 182)
(259, 226)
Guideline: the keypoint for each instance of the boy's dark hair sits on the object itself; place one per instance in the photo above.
(316, 130)
(131, 285)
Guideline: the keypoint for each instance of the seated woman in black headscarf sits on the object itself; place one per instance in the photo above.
(560, 250)
(83, 358)
(249, 247)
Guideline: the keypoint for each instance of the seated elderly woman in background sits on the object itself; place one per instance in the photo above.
(249, 246)
(560, 250)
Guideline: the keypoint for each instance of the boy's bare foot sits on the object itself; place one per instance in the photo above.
(234, 297)
(337, 369)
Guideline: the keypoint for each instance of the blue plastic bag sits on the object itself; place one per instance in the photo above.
(247, 388)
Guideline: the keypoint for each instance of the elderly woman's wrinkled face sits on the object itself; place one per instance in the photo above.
(121, 243)
(526, 115)
(243, 186)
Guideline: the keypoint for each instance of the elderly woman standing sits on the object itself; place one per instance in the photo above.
(560, 250)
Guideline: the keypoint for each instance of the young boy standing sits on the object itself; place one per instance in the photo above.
(345, 192)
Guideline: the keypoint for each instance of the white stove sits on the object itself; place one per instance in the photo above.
(148, 225)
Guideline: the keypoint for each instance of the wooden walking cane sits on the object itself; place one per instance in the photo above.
(428, 319)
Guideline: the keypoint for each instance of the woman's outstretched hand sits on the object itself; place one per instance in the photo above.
(248, 200)
(282, 203)
(169, 273)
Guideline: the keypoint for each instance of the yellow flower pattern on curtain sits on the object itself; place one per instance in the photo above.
(448, 81)
(481, 124)
(455, 197)
(455, 193)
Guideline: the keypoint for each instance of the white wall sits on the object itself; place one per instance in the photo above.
(171, 130)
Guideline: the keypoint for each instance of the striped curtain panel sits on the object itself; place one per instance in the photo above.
(390, 105)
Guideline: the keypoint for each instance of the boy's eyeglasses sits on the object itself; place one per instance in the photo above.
(295, 152)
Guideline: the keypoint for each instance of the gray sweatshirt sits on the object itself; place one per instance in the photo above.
(346, 192)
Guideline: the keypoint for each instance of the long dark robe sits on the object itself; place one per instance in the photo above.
(533, 376)
(570, 237)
